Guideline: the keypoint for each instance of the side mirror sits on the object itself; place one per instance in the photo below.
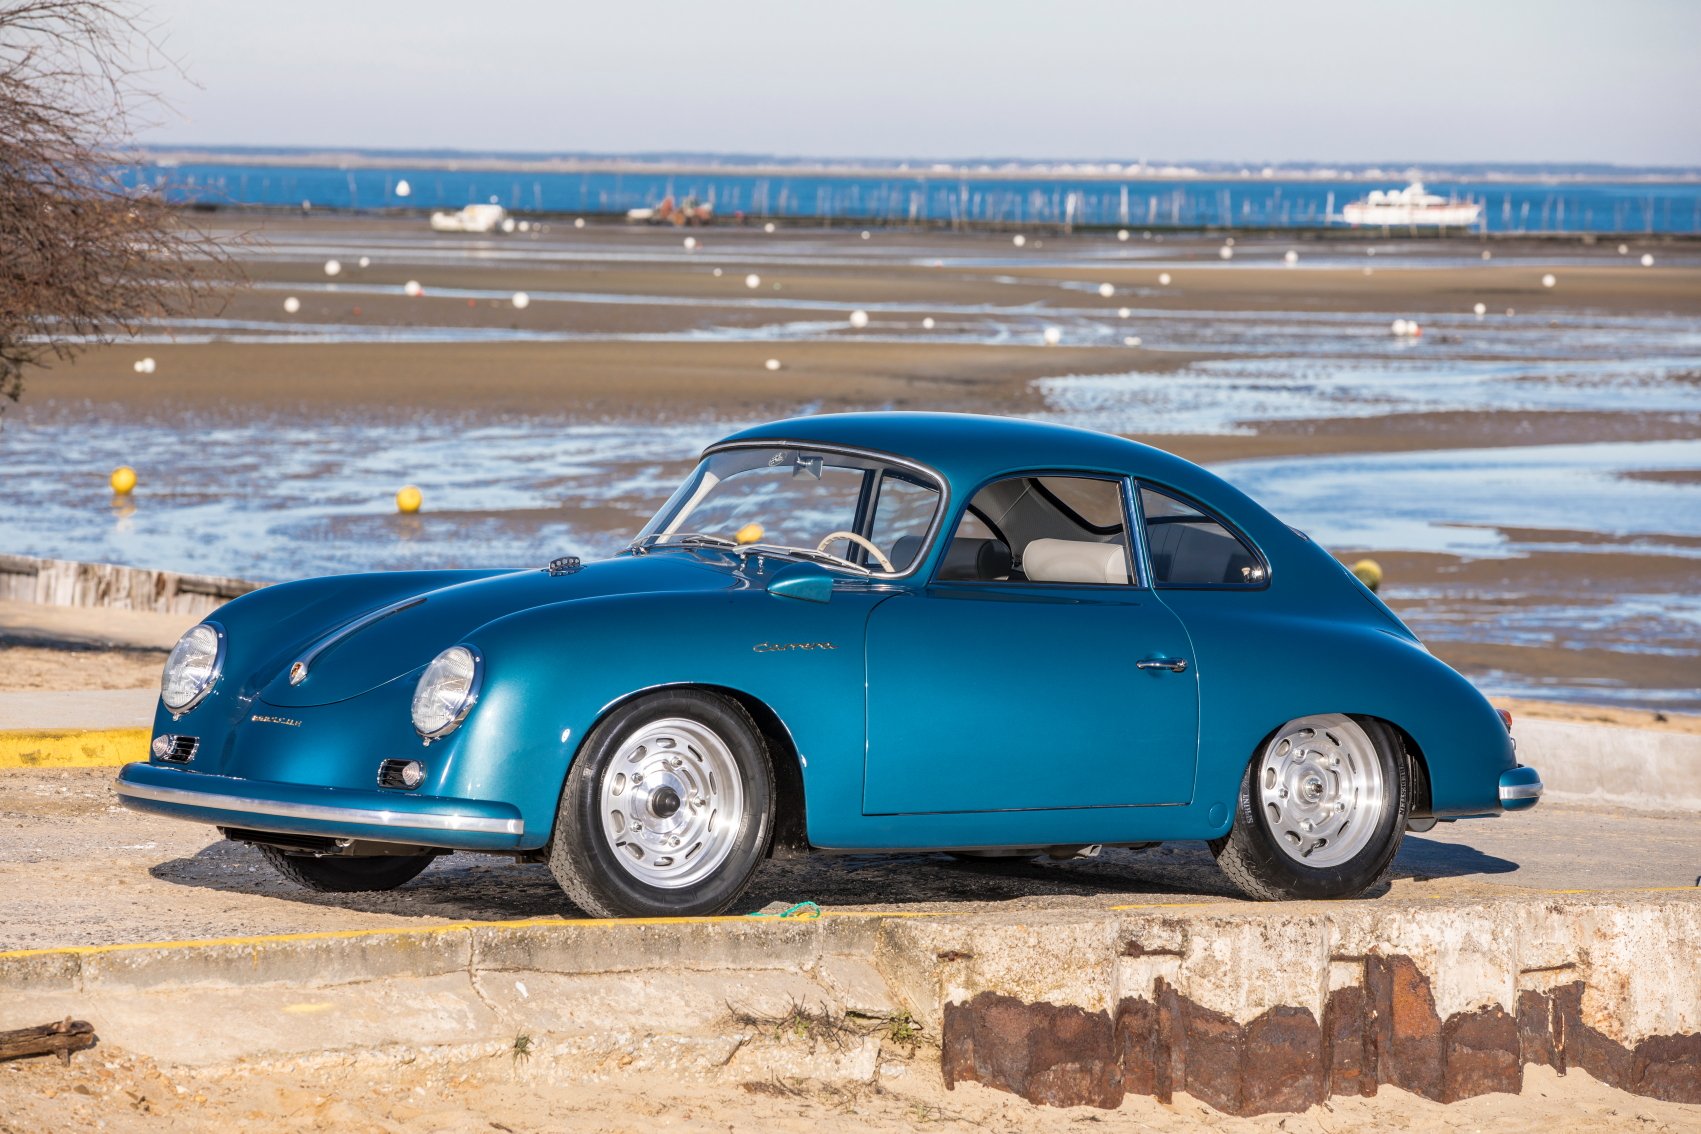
(805, 582)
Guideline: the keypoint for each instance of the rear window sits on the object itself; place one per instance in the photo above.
(1191, 548)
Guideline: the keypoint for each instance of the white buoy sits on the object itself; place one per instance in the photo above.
(1131, 340)
(1122, 234)
(332, 267)
(1290, 257)
(403, 189)
(865, 234)
(1370, 251)
(578, 222)
(1107, 290)
(691, 244)
(1124, 312)
(718, 273)
(412, 290)
(525, 226)
(859, 319)
(1229, 241)
(521, 300)
(366, 261)
(1487, 255)
(1226, 252)
(927, 323)
(1052, 335)
(1510, 312)
(292, 305)
(772, 364)
(1163, 279)
(1481, 309)
(509, 224)
(1647, 259)
(753, 281)
(769, 227)
(1624, 249)
(1018, 240)
(1548, 280)
(143, 366)
(1398, 327)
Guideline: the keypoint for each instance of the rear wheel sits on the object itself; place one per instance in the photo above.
(1321, 812)
(667, 810)
(334, 874)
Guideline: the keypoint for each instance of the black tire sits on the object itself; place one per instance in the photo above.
(583, 857)
(1251, 857)
(334, 874)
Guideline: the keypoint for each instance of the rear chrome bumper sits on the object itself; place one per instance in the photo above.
(1520, 788)
(227, 801)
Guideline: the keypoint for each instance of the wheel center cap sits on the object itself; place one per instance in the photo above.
(1311, 789)
(664, 803)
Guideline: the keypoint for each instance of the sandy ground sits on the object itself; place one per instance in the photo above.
(111, 1091)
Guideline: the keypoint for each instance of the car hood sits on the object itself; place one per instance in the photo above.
(401, 635)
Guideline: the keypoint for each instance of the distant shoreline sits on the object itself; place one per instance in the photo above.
(339, 158)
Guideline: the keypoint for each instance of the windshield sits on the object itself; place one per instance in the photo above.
(864, 511)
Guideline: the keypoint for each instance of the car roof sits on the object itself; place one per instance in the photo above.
(968, 449)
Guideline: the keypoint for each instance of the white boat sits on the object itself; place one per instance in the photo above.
(1411, 206)
(473, 218)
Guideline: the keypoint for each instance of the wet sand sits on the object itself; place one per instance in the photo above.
(630, 328)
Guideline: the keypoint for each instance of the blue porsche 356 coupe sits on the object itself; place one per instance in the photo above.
(861, 632)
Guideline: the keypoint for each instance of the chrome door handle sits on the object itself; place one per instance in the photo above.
(1174, 665)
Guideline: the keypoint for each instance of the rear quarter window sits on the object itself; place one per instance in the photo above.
(1189, 547)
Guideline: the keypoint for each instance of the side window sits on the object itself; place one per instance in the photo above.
(902, 513)
(1042, 529)
(1191, 549)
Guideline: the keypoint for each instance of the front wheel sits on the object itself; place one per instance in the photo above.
(335, 874)
(667, 810)
(1321, 812)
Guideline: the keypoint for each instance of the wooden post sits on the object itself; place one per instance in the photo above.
(59, 1039)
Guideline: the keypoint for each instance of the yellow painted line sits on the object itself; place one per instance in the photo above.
(98, 748)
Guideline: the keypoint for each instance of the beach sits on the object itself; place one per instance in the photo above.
(1528, 478)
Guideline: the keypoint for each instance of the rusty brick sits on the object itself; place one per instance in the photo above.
(1282, 1063)
(1214, 1047)
(1535, 1028)
(1406, 1028)
(1347, 1057)
(1137, 1042)
(1481, 1054)
(1668, 1067)
(1046, 1053)
(1566, 1013)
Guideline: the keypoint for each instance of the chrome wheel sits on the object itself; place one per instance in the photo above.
(672, 802)
(1321, 790)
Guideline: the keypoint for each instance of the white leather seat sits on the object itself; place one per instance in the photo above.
(1074, 561)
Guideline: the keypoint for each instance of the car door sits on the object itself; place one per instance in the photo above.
(1035, 670)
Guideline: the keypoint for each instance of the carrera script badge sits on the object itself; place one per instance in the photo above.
(259, 719)
(784, 647)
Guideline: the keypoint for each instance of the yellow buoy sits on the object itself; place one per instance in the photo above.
(123, 479)
(750, 533)
(408, 500)
(1369, 573)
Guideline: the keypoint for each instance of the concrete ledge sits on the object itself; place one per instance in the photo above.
(63, 582)
(1250, 1008)
(1628, 767)
(40, 748)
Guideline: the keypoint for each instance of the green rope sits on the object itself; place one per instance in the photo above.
(801, 910)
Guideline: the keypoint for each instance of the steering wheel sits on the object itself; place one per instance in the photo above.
(866, 543)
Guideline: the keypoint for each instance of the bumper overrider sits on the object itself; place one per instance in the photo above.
(1520, 788)
(376, 816)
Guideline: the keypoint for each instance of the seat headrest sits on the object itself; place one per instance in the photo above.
(1074, 561)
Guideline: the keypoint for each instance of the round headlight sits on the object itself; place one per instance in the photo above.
(446, 690)
(192, 668)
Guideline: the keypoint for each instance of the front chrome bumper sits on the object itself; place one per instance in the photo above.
(228, 801)
(1520, 788)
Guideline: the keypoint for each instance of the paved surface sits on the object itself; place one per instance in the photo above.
(77, 868)
(81, 710)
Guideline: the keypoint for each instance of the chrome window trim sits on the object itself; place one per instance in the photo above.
(322, 813)
(1138, 578)
(928, 540)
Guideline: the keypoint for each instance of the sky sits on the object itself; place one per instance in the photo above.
(1269, 81)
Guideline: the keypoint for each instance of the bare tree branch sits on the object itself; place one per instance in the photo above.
(82, 257)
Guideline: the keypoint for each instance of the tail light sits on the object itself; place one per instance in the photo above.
(1505, 718)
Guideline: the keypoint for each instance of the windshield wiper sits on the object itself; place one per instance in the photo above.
(688, 539)
(806, 553)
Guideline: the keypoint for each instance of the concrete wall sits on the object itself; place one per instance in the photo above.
(61, 582)
(1629, 767)
(1251, 1008)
